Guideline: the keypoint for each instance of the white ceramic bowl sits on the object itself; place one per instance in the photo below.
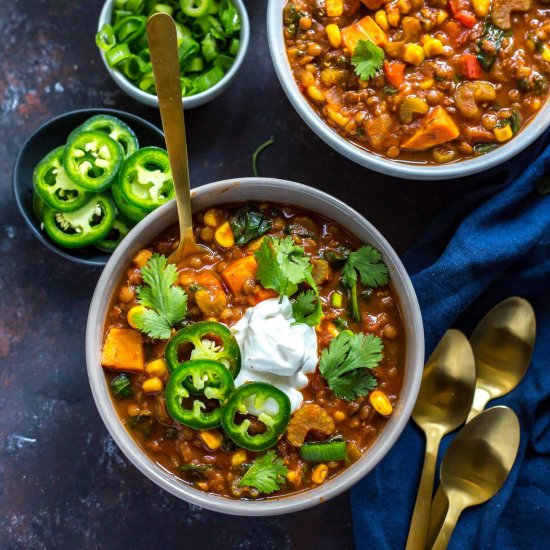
(401, 169)
(272, 190)
(191, 101)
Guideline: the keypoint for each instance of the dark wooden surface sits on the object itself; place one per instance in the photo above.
(63, 482)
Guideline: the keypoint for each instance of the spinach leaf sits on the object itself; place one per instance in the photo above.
(489, 45)
(248, 224)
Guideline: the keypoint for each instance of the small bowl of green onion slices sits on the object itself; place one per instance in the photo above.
(213, 37)
(83, 179)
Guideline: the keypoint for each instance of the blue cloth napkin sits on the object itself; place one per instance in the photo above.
(492, 244)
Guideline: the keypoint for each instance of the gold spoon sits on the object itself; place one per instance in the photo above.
(443, 403)
(477, 464)
(503, 343)
(163, 46)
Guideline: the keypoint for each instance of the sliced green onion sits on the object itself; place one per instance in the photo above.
(224, 61)
(195, 8)
(117, 55)
(208, 79)
(119, 15)
(147, 84)
(209, 47)
(214, 7)
(130, 28)
(105, 38)
(133, 67)
(229, 17)
(188, 48)
(135, 6)
(234, 46)
(323, 452)
(336, 299)
(163, 8)
(120, 4)
(194, 65)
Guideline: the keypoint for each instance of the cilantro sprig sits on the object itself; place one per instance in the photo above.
(267, 473)
(282, 266)
(373, 272)
(346, 361)
(165, 304)
(367, 58)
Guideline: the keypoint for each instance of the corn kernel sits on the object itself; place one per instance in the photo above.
(394, 17)
(133, 410)
(152, 385)
(414, 54)
(481, 7)
(336, 117)
(142, 257)
(380, 402)
(255, 244)
(433, 47)
(332, 330)
(224, 236)
(319, 474)
(315, 94)
(156, 368)
(441, 16)
(426, 84)
(202, 485)
(536, 104)
(133, 313)
(238, 457)
(382, 19)
(334, 35)
(339, 416)
(404, 6)
(503, 134)
(211, 217)
(334, 8)
(211, 438)
(294, 477)
(546, 53)
(307, 79)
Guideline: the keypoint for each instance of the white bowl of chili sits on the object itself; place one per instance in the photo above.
(261, 190)
(497, 154)
(216, 85)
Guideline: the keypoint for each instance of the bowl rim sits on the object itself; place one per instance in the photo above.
(164, 216)
(401, 169)
(191, 101)
(88, 111)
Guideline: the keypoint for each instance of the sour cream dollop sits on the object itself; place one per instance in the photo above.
(274, 350)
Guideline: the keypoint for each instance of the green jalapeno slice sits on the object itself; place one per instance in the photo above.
(38, 206)
(92, 160)
(145, 178)
(269, 404)
(209, 340)
(114, 128)
(54, 186)
(133, 213)
(121, 228)
(195, 8)
(82, 227)
(209, 379)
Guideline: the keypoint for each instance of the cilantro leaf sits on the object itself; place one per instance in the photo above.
(165, 304)
(368, 262)
(307, 308)
(267, 473)
(282, 265)
(345, 362)
(367, 58)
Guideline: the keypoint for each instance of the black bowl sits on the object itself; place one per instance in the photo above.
(49, 136)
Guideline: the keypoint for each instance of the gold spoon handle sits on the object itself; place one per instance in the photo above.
(163, 46)
(418, 530)
(444, 536)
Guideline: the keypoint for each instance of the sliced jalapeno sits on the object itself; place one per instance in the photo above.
(83, 226)
(269, 404)
(133, 213)
(92, 160)
(54, 186)
(38, 206)
(145, 178)
(120, 229)
(209, 379)
(195, 8)
(114, 128)
(209, 340)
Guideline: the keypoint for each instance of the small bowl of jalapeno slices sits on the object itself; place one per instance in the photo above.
(84, 179)
(212, 37)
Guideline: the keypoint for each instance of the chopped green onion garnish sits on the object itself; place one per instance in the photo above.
(323, 452)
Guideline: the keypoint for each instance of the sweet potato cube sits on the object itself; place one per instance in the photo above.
(123, 350)
(364, 29)
(438, 127)
(373, 4)
(239, 271)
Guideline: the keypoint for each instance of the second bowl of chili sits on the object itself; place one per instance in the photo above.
(415, 90)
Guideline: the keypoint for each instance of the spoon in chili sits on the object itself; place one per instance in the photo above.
(163, 46)
(443, 403)
(503, 344)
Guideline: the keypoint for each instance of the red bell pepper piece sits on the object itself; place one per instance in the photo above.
(394, 72)
(466, 18)
(471, 67)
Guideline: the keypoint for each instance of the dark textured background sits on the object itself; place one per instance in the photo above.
(63, 482)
